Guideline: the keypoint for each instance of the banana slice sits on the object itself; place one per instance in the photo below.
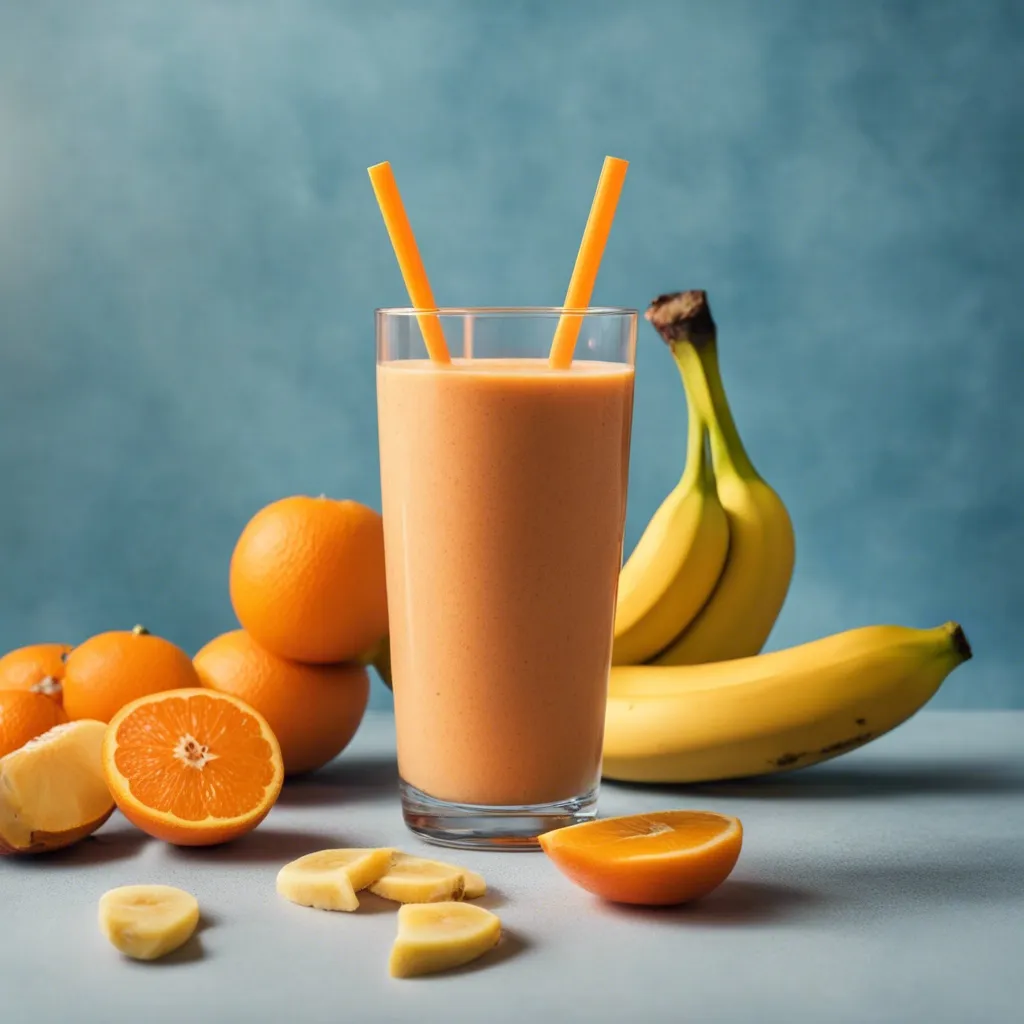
(146, 922)
(330, 879)
(439, 936)
(475, 885)
(418, 880)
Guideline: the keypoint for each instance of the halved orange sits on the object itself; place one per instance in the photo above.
(192, 767)
(656, 859)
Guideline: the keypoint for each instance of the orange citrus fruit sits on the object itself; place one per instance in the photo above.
(39, 667)
(660, 858)
(112, 669)
(314, 710)
(24, 716)
(307, 579)
(192, 767)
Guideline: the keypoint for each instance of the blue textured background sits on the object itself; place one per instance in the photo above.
(190, 254)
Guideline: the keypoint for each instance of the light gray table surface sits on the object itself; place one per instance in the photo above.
(887, 885)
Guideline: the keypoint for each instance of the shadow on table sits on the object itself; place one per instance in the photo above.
(867, 778)
(866, 890)
(344, 781)
(115, 841)
(266, 844)
(511, 945)
(735, 903)
(492, 899)
(955, 874)
(371, 904)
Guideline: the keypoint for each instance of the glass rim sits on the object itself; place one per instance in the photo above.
(609, 311)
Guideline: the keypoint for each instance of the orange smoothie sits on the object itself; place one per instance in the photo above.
(504, 486)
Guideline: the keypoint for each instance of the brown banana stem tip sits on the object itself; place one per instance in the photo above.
(960, 644)
(682, 316)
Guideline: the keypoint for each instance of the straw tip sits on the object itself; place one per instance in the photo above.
(682, 316)
(377, 167)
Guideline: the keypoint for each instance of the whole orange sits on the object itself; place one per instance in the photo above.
(39, 668)
(24, 716)
(307, 579)
(314, 710)
(112, 669)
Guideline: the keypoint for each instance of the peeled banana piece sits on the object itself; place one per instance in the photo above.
(436, 937)
(330, 879)
(473, 885)
(773, 712)
(146, 922)
(418, 880)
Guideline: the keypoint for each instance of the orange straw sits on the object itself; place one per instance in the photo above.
(408, 254)
(588, 260)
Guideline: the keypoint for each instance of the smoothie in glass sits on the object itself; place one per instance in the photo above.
(504, 497)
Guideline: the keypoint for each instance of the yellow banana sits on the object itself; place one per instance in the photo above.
(772, 712)
(739, 615)
(676, 563)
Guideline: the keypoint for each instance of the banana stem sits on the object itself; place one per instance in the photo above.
(697, 463)
(684, 322)
(726, 446)
(958, 638)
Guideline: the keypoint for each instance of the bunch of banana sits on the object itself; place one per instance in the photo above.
(691, 699)
(708, 577)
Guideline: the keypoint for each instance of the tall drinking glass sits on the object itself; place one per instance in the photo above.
(504, 494)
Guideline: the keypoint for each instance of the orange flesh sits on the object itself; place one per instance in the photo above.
(660, 858)
(648, 834)
(194, 757)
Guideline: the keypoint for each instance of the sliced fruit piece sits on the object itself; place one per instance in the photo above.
(193, 767)
(418, 880)
(660, 858)
(147, 922)
(330, 879)
(439, 936)
(474, 884)
(52, 791)
(24, 716)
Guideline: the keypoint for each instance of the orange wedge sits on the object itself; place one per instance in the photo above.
(656, 859)
(193, 767)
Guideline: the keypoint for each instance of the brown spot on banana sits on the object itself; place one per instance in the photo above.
(843, 745)
(788, 760)
(840, 747)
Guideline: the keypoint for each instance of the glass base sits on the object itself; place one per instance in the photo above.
(483, 827)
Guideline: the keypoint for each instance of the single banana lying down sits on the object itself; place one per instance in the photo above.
(773, 712)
